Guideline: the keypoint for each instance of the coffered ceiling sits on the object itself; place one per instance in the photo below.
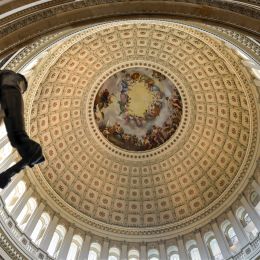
(197, 172)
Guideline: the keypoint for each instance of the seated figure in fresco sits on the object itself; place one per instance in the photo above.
(158, 75)
(12, 86)
(102, 101)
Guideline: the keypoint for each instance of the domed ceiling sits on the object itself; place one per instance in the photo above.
(146, 125)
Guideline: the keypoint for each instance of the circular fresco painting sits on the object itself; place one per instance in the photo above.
(138, 109)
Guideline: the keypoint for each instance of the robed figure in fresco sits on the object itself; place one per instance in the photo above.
(12, 86)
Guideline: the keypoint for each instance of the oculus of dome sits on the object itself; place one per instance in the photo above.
(138, 109)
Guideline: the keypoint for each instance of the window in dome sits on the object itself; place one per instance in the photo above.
(247, 223)
(195, 255)
(247, 219)
(26, 213)
(56, 241)
(40, 228)
(172, 253)
(213, 246)
(5, 151)
(193, 250)
(75, 247)
(255, 200)
(153, 254)
(94, 252)
(114, 254)
(250, 226)
(15, 195)
(231, 237)
(92, 255)
(113, 258)
(133, 255)
(215, 250)
(174, 257)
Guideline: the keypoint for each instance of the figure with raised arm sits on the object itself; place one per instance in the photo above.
(12, 86)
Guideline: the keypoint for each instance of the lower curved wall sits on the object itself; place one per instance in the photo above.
(16, 237)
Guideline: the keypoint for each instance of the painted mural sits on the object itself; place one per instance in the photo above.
(138, 109)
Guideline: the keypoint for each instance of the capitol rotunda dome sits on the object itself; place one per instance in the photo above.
(172, 186)
(150, 129)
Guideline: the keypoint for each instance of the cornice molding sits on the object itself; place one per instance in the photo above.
(55, 15)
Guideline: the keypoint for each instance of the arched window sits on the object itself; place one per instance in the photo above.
(56, 241)
(247, 223)
(173, 253)
(94, 251)
(133, 255)
(40, 228)
(175, 257)
(26, 213)
(153, 254)
(232, 239)
(216, 252)
(15, 195)
(114, 254)
(230, 235)
(75, 247)
(255, 200)
(213, 246)
(195, 254)
(5, 151)
(192, 249)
